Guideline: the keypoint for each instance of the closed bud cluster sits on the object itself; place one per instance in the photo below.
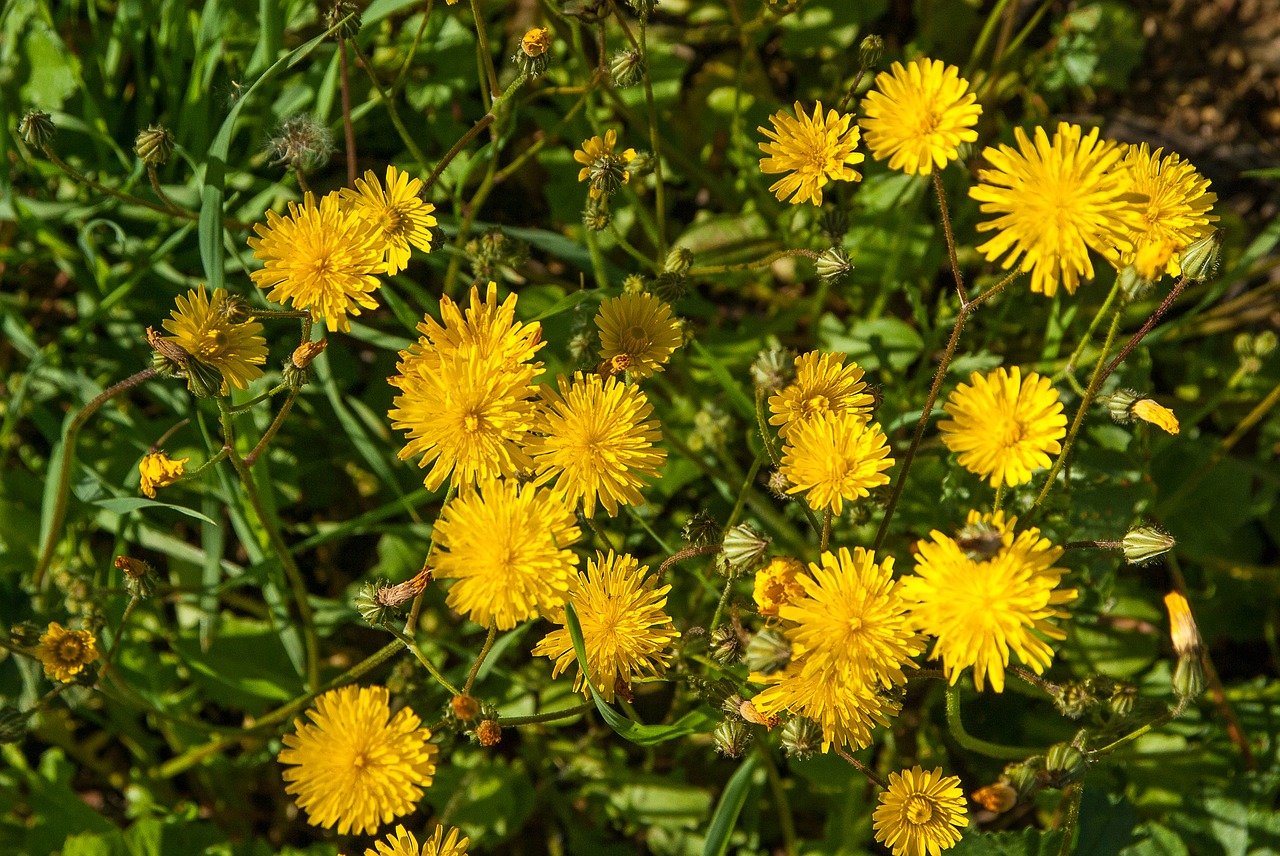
(833, 265)
(801, 737)
(732, 738)
(679, 260)
(626, 68)
(768, 652)
(36, 128)
(726, 646)
(139, 577)
(701, 529)
(1200, 260)
(744, 548)
(773, 369)
(154, 145)
(1144, 543)
(302, 143)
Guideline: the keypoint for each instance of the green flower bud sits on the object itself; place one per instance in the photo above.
(1026, 777)
(154, 145)
(1200, 260)
(36, 128)
(744, 548)
(1144, 543)
(596, 216)
(13, 724)
(627, 68)
(768, 652)
(642, 164)
(726, 647)
(1188, 676)
(701, 529)
(344, 15)
(371, 608)
(870, 51)
(801, 737)
(833, 265)
(833, 222)
(1120, 405)
(732, 738)
(670, 287)
(1133, 285)
(773, 369)
(679, 260)
(1065, 764)
(713, 692)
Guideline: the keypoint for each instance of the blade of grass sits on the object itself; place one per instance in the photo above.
(729, 807)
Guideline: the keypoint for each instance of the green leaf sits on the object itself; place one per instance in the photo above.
(736, 396)
(695, 722)
(730, 806)
(1028, 842)
(126, 504)
(1107, 823)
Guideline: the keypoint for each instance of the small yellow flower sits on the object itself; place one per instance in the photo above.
(64, 653)
(625, 628)
(920, 813)
(1182, 626)
(778, 584)
(1004, 427)
(640, 327)
(1148, 411)
(823, 384)
(321, 258)
(398, 214)
(834, 459)
(918, 115)
(159, 470)
(355, 766)
(201, 328)
(536, 42)
(606, 170)
(1178, 208)
(812, 151)
(402, 843)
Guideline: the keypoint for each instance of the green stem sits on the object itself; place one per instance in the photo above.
(601, 534)
(659, 187)
(778, 788)
(1071, 796)
(630, 250)
(758, 263)
(974, 744)
(550, 716)
(422, 658)
(862, 768)
(765, 433)
(347, 128)
(287, 562)
(115, 641)
(999, 498)
(1070, 368)
(271, 429)
(951, 240)
(483, 122)
(159, 191)
(484, 652)
(724, 599)
(1146, 328)
(485, 53)
(742, 494)
(388, 100)
(826, 531)
(927, 411)
(1166, 717)
(64, 473)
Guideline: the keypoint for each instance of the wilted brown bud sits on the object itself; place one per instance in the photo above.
(489, 732)
(465, 707)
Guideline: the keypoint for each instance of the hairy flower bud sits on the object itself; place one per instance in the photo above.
(744, 548)
(870, 51)
(626, 68)
(1144, 543)
(154, 145)
(302, 143)
(1065, 764)
(801, 737)
(731, 738)
(679, 260)
(1200, 260)
(833, 265)
(768, 652)
(701, 529)
(36, 128)
(773, 369)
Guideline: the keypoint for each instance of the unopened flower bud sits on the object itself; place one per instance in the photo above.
(634, 284)
(1026, 777)
(998, 797)
(465, 707)
(1133, 285)
(1144, 543)
(1123, 699)
(679, 260)
(489, 732)
(732, 738)
(154, 145)
(1073, 699)
(870, 51)
(768, 652)
(36, 128)
(139, 577)
(1065, 764)
(670, 287)
(234, 309)
(701, 529)
(371, 609)
(726, 646)
(596, 215)
(744, 548)
(306, 352)
(643, 8)
(1182, 625)
(626, 67)
(801, 737)
(1120, 404)
(713, 692)
(25, 634)
(1188, 676)
(833, 222)
(642, 164)
(833, 265)
(1200, 260)
(773, 369)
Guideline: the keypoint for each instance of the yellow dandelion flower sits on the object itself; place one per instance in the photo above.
(200, 327)
(640, 327)
(1004, 427)
(467, 415)
(398, 214)
(355, 766)
(1055, 200)
(1158, 415)
(920, 813)
(402, 843)
(607, 171)
(625, 628)
(595, 439)
(981, 611)
(487, 326)
(823, 384)
(834, 459)
(847, 710)
(65, 653)
(159, 470)
(1179, 205)
(812, 151)
(853, 620)
(918, 115)
(1182, 626)
(778, 584)
(507, 546)
(320, 258)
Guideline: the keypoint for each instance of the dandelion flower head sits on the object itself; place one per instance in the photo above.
(605, 170)
(1054, 200)
(847, 709)
(594, 438)
(822, 384)
(625, 628)
(485, 324)
(399, 216)
(159, 470)
(355, 766)
(778, 584)
(834, 459)
(982, 609)
(507, 545)
(403, 843)
(200, 326)
(321, 258)
(641, 328)
(1179, 207)
(809, 152)
(65, 653)
(1004, 426)
(920, 813)
(918, 115)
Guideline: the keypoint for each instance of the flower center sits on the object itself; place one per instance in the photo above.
(918, 809)
(1009, 432)
(70, 650)
(815, 404)
(634, 340)
(391, 222)
(928, 123)
(212, 344)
